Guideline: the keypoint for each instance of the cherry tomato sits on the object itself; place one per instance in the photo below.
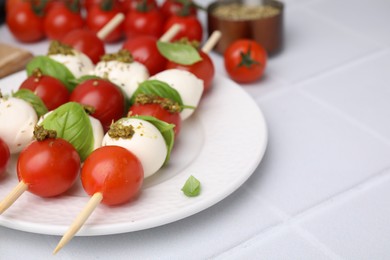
(245, 60)
(10, 4)
(25, 24)
(107, 99)
(87, 42)
(191, 28)
(131, 5)
(172, 7)
(143, 22)
(99, 15)
(144, 50)
(48, 167)
(60, 20)
(4, 156)
(115, 172)
(203, 69)
(52, 91)
(88, 4)
(158, 112)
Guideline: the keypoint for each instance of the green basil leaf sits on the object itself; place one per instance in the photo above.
(191, 187)
(158, 88)
(52, 68)
(72, 124)
(180, 53)
(29, 96)
(165, 129)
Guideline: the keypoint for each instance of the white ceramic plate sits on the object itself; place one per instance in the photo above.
(221, 145)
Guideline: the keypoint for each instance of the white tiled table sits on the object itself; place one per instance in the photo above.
(322, 190)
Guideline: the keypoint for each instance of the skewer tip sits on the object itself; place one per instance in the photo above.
(79, 221)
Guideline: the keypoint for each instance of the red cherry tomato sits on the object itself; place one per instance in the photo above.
(48, 167)
(191, 28)
(99, 15)
(145, 22)
(24, 24)
(107, 99)
(203, 69)
(245, 60)
(115, 172)
(60, 20)
(87, 42)
(10, 4)
(131, 5)
(158, 112)
(171, 7)
(144, 50)
(4, 156)
(88, 4)
(52, 91)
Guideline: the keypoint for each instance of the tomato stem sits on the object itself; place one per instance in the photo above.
(38, 7)
(107, 5)
(73, 5)
(143, 6)
(246, 59)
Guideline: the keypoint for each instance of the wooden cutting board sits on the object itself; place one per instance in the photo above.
(12, 59)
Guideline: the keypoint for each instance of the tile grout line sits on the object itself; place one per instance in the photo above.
(293, 221)
(287, 222)
(346, 116)
(326, 73)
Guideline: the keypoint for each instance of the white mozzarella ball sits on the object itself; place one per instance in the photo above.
(79, 63)
(18, 119)
(98, 132)
(127, 76)
(147, 144)
(187, 84)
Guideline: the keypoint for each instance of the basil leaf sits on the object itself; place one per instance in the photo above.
(191, 187)
(52, 68)
(72, 124)
(29, 96)
(158, 88)
(165, 129)
(180, 53)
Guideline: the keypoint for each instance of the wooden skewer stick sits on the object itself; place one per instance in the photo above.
(80, 220)
(212, 41)
(172, 31)
(110, 26)
(13, 196)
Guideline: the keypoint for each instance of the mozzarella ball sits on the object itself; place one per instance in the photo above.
(98, 132)
(127, 76)
(187, 84)
(147, 144)
(18, 119)
(79, 63)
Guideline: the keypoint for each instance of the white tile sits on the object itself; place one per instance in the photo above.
(370, 18)
(24, 245)
(280, 243)
(360, 90)
(312, 154)
(313, 45)
(356, 225)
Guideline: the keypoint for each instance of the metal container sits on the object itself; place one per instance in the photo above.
(268, 31)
